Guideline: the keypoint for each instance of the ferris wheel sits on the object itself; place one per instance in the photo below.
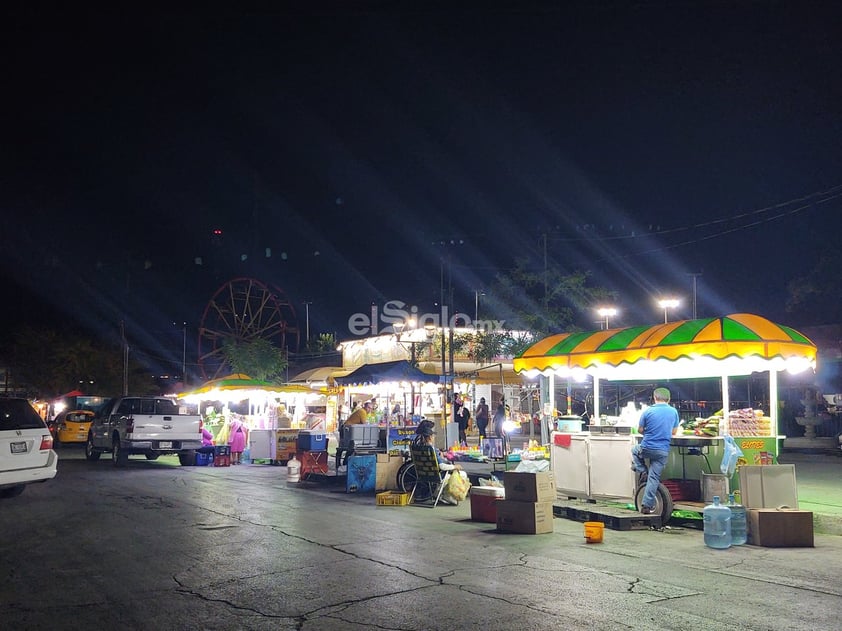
(244, 309)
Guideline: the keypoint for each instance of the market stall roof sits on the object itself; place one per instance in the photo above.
(473, 373)
(320, 375)
(737, 344)
(238, 387)
(395, 371)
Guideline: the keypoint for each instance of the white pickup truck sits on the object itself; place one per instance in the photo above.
(151, 426)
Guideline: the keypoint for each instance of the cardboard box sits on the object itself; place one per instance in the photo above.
(387, 472)
(768, 486)
(774, 528)
(527, 518)
(484, 501)
(529, 487)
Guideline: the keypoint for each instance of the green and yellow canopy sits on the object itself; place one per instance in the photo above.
(239, 387)
(737, 344)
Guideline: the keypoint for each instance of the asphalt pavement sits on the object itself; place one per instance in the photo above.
(159, 546)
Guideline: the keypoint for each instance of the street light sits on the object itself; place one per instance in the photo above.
(607, 312)
(477, 294)
(668, 303)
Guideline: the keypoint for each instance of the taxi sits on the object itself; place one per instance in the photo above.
(73, 426)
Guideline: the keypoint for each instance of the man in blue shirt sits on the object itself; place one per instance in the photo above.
(658, 424)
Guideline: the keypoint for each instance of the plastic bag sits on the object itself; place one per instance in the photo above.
(730, 455)
(457, 486)
(533, 466)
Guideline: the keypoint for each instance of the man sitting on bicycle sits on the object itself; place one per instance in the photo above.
(658, 424)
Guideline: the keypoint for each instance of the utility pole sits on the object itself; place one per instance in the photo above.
(125, 358)
(307, 320)
(694, 275)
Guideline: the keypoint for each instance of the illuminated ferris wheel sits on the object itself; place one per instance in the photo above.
(244, 309)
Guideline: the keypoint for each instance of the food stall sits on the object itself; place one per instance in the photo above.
(274, 414)
(594, 464)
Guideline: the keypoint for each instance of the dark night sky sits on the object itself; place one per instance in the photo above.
(649, 140)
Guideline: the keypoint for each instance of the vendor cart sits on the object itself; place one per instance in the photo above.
(596, 464)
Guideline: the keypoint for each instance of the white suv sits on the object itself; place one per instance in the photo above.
(26, 447)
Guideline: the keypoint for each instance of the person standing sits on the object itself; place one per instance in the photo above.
(499, 419)
(481, 414)
(237, 439)
(658, 424)
(463, 418)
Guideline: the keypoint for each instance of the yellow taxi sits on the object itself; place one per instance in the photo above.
(73, 426)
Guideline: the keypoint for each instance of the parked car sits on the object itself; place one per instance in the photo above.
(26, 447)
(72, 427)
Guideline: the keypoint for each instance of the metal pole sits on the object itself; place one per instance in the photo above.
(184, 353)
(307, 320)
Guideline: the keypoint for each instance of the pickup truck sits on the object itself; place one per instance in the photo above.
(151, 426)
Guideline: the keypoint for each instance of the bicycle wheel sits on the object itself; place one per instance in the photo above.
(407, 480)
(663, 502)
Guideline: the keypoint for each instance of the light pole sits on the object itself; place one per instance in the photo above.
(184, 352)
(695, 275)
(307, 321)
(607, 312)
(477, 294)
(668, 303)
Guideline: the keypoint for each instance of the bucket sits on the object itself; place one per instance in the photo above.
(593, 531)
(293, 470)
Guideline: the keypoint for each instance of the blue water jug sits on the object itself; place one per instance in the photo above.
(738, 521)
(717, 520)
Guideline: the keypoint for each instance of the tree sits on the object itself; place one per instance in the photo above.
(814, 297)
(49, 363)
(324, 343)
(258, 359)
(546, 301)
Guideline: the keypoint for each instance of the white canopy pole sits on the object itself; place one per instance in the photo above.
(773, 401)
(595, 420)
(726, 404)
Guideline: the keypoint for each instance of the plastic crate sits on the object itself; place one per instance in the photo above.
(392, 498)
(222, 450)
(203, 460)
(222, 461)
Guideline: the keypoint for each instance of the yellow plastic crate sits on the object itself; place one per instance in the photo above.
(390, 498)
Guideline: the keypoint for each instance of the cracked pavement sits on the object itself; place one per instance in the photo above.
(158, 546)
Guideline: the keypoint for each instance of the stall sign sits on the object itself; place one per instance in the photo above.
(399, 439)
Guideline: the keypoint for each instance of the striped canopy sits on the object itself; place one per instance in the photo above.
(737, 344)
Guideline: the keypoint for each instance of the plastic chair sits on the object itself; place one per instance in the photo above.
(429, 473)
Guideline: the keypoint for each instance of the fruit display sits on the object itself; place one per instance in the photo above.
(702, 426)
(749, 422)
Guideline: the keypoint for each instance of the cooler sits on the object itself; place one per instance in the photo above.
(484, 502)
(312, 440)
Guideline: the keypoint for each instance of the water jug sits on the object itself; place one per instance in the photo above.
(293, 470)
(738, 521)
(717, 520)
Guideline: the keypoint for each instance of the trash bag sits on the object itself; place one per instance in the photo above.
(730, 455)
(457, 486)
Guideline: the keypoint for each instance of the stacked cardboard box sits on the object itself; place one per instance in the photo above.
(769, 493)
(528, 507)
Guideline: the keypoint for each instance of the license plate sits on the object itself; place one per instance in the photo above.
(165, 444)
(19, 448)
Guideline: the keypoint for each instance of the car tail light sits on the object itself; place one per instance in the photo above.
(46, 441)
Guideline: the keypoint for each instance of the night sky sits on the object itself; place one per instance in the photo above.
(364, 143)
